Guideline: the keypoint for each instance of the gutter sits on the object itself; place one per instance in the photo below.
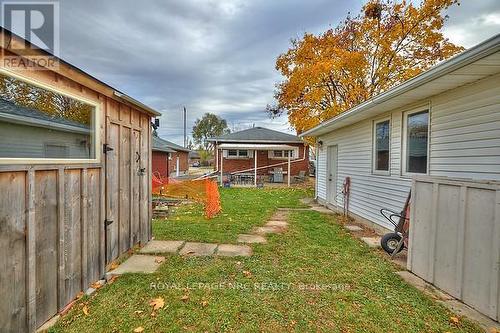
(475, 53)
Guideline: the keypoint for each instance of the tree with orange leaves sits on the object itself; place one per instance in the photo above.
(389, 42)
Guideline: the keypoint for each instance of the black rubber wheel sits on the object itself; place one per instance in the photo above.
(390, 241)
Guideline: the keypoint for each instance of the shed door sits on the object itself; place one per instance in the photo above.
(332, 174)
(124, 177)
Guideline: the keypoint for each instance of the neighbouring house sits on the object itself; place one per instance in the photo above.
(75, 175)
(194, 158)
(444, 122)
(169, 159)
(437, 134)
(260, 152)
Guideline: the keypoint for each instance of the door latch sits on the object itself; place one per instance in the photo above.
(106, 148)
(107, 223)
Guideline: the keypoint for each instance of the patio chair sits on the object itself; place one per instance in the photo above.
(301, 177)
(278, 175)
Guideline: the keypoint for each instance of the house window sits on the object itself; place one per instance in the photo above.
(282, 154)
(381, 140)
(417, 132)
(237, 153)
(38, 123)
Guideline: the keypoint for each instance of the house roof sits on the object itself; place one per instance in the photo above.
(258, 135)
(116, 92)
(13, 113)
(194, 154)
(166, 146)
(474, 64)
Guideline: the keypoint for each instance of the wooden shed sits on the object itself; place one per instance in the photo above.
(75, 180)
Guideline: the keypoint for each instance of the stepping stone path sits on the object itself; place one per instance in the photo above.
(145, 263)
(156, 246)
(198, 249)
(352, 227)
(230, 250)
(138, 263)
(371, 241)
(251, 239)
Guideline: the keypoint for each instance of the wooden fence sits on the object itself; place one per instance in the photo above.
(455, 239)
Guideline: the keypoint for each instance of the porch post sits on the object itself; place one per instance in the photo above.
(289, 153)
(255, 167)
(221, 169)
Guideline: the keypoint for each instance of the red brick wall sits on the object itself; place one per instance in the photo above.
(232, 165)
(183, 162)
(160, 163)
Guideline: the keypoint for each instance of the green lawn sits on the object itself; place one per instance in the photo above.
(315, 277)
(242, 209)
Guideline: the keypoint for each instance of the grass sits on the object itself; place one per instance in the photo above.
(315, 277)
(242, 209)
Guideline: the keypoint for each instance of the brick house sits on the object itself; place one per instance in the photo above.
(258, 152)
(168, 158)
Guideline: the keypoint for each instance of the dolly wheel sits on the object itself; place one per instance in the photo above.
(389, 242)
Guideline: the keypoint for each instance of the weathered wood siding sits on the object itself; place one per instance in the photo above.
(52, 231)
(464, 142)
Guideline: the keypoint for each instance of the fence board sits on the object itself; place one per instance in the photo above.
(72, 227)
(136, 178)
(124, 241)
(46, 244)
(12, 241)
(112, 198)
(93, 226)
(30, 251)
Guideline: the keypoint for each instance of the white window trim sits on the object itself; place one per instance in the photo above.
(96, 120)
(238, 157)
(374, 147)
(404, 145)
(295, 154)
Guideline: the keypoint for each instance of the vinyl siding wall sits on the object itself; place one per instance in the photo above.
(464, 142)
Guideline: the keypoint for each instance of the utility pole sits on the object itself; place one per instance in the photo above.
(185, 134)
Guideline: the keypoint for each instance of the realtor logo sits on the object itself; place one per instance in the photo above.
(37, 23)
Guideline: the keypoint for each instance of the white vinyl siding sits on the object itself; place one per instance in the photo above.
(464, 142)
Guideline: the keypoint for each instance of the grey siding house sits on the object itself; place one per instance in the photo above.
(444, 122)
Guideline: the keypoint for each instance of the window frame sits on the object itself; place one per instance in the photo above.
(404, 141)
(59, 161)
(374, 147)
(238, 156)
(295, 154)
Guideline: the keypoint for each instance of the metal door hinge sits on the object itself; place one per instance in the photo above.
(107, 223)
(106, 148)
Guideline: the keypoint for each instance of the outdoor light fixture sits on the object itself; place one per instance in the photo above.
(320, 144)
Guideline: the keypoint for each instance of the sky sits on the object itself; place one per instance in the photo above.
(214, 56)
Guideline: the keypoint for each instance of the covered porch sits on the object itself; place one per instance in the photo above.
(276, 171)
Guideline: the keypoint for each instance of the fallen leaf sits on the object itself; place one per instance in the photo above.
(204, 303)
(138, 312)
(454, 320)
(247, 273)
(112, 279)
(85, 310)
(113, 265)
(185, 298)
(139, 329)
(159, 260)
(96, 285)
(157, 303)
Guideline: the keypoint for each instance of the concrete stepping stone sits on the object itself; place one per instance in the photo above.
(251, 239)
(279, 224)
(352, 227)
(230, 250)
(198, 249)
(371, 241)
(268, 230)
(161, 246)
(321, 209)
(280, 216)
(138, 263)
